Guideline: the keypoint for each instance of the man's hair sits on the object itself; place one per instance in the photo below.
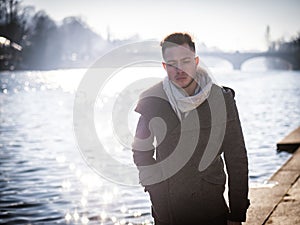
(175, 39)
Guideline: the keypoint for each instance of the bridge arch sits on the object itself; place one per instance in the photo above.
(237, 58)
(266, 62)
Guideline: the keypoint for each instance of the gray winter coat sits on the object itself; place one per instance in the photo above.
(183, 190)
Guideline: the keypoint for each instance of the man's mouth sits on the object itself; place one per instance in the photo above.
(181, 77)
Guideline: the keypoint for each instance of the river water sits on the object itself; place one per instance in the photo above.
(44, 179)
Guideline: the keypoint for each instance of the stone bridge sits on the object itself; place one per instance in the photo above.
(238, 58)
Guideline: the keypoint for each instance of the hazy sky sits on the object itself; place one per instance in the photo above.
(227, 24)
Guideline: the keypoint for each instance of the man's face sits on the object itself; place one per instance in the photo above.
(180, 64)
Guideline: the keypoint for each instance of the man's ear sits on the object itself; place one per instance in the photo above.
(197, 60)
(164, 65)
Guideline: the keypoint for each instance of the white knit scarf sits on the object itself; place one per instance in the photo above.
(181, 102)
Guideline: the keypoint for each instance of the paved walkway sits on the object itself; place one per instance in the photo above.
(279, 203)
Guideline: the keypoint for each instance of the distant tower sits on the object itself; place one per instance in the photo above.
(268, 37)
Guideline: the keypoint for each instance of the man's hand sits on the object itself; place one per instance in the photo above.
(233, 223)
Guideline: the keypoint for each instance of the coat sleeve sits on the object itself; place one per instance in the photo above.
(143, 155)
(143, 149)
(236, 160)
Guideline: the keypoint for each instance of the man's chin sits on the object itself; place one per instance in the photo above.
(179, 84)
(185, 84)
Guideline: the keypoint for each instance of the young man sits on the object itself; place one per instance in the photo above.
(186, 123)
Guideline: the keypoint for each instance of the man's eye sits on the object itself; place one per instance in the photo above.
(186, 61)
(172, 64)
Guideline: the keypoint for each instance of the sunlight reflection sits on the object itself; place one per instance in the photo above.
(72, 166)
(115, 190)
(61, 159)
(147, 222)
(90, 180)
(137, 214)
(103, 215)
(67, 80)
(85, 192)
(122, 222)
(66, 184)
(68, 217)
(84, 220)
(83, 201)
(113, 219)
(78, 173)
(123, 209)
(76, 215)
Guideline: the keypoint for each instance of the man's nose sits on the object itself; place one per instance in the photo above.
(179, 69)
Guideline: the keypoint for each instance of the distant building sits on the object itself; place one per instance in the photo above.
(9, 54)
